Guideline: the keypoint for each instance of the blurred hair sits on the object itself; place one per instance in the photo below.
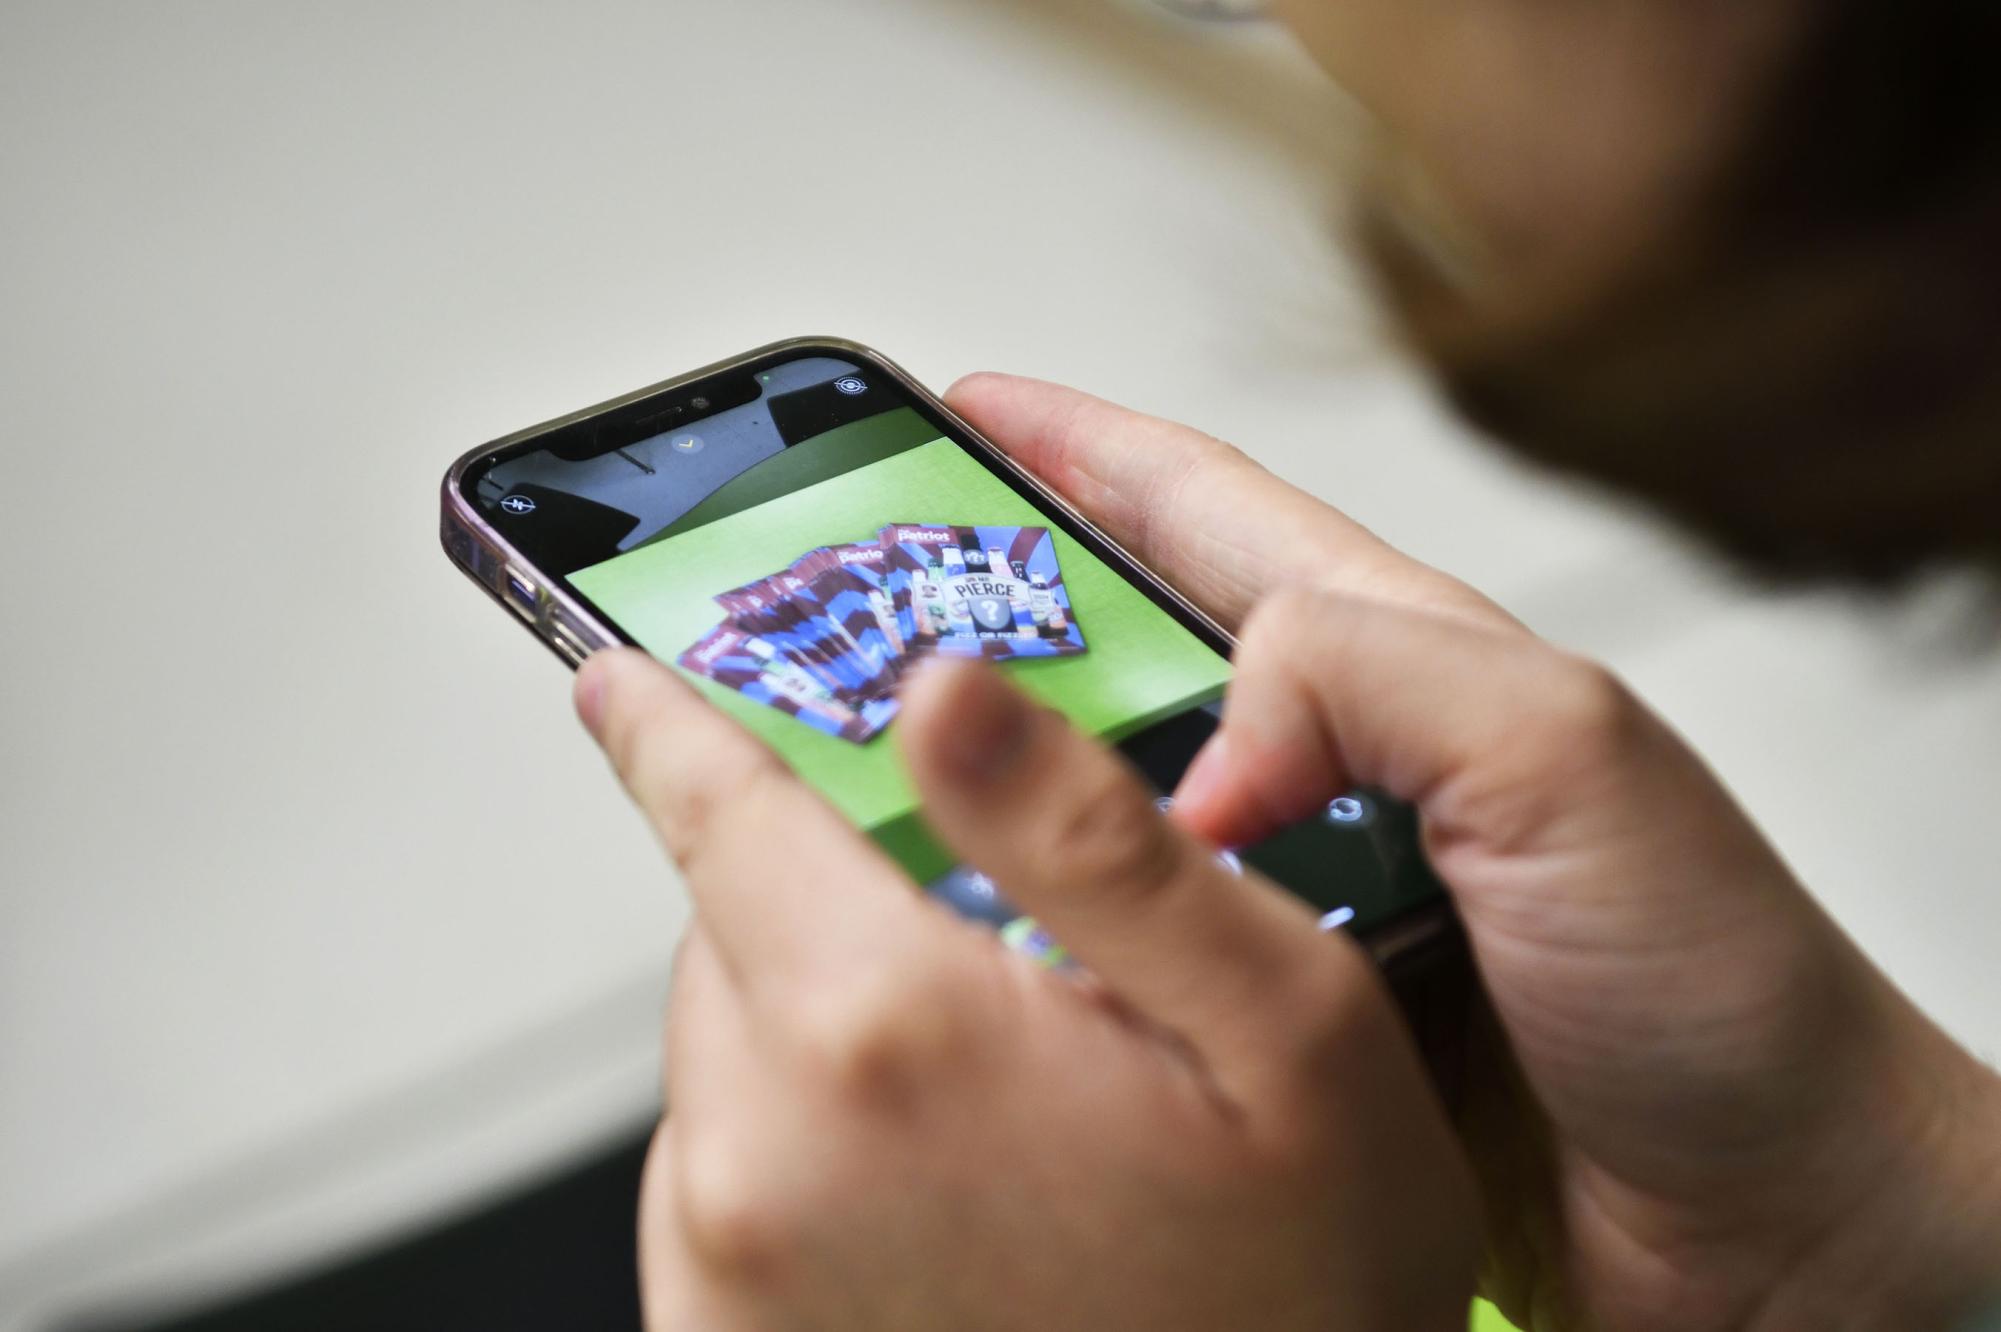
(1809, 373)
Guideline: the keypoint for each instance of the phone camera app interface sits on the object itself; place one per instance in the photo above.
(798, 551)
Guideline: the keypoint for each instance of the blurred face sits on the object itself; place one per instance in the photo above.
(1635, 244)
(1549, 142)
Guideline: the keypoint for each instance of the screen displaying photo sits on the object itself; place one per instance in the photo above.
(798, 537)
(801, 614)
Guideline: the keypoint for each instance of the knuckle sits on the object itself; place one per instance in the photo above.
(735, 1223)
(1275, 621)
(1073, 427)
(1109, 840)
(1588, 713)
(881, 1045)
(1161, 495)
(1222, 453)
(1573, 735)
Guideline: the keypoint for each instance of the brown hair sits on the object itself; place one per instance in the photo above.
(1810, 371)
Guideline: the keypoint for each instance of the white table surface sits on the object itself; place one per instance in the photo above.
(319, 913)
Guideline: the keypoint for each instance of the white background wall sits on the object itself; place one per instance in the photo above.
(317, 912)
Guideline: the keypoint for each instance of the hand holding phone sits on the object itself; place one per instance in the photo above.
(1689, 1073)
(821, 1000)
(1700, 1052)
(880, 1120)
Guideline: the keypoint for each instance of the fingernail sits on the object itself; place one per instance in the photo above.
(1207, 774)
(990, 730)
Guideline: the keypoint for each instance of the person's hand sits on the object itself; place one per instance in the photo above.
(880, 1119)
(1704, 1109)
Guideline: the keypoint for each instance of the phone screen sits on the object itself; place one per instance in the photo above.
(795, 535)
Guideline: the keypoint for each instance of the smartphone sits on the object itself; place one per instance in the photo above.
(794, 527)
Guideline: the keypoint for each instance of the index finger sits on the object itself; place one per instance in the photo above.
(1195, 510)
(786, 887)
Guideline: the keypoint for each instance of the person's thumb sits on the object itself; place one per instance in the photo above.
(1504, 742)
(1072, 836)
(1612, 890)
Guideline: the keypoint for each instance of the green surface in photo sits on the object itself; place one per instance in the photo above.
(1141, 665)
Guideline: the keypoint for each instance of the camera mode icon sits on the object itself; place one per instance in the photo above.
(1348, 809)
